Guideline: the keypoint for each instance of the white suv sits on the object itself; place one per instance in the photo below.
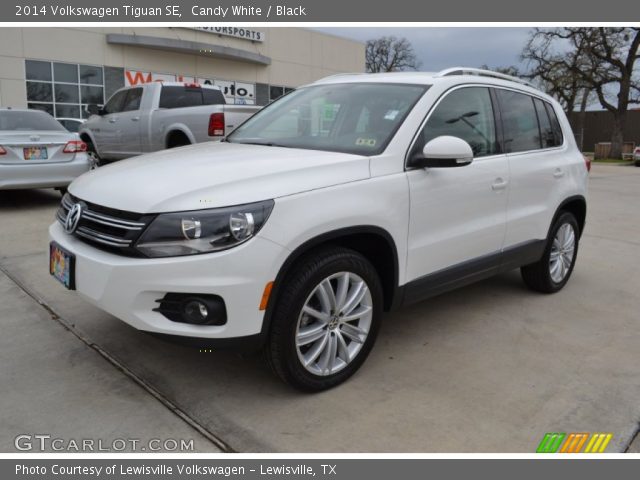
(345, 198)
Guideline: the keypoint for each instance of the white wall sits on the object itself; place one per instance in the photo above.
(298, 55)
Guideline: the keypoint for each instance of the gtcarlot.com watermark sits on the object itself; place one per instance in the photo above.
(44, 442)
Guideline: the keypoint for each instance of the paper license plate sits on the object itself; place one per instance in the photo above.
(62, 265)
(35, 153)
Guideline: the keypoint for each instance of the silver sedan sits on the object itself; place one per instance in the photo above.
(37, 152)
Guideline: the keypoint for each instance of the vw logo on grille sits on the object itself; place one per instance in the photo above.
(73, 218)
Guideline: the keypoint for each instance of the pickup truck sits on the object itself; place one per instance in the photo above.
(155, 116)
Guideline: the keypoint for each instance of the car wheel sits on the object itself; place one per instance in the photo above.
(553, 270)
(94, 158)
(326, 319)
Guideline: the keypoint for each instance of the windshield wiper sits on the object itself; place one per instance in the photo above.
(265, 144)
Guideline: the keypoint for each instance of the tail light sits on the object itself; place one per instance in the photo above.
(587, 162)
(2, 150)
(637, 151)
(216, 125)
(75, 146)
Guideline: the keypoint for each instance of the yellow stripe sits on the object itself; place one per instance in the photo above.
(596, 445)
(607, 439)
(567, 442)
(590, 444)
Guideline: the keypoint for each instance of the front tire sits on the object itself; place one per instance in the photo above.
(94, 159)
(553, 270)
(326, 319)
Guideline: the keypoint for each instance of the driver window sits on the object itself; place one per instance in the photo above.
(466, 113)
(132, 102)
(114, 105)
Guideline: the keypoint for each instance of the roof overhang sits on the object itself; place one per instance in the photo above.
(186, 46)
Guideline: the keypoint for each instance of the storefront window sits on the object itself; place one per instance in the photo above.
(36, 70)
(39, 92)
(45, 107)
(91, 75)
(64, 89)
(91, 94)
(66, 93)
(65, 72)
(275, 92)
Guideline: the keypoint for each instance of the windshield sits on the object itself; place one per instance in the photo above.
(358, 118)
(26, 121)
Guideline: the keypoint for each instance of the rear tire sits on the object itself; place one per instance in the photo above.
(326, 319)
(553, 270)
(177, 139)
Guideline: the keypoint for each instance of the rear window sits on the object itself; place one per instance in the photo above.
(213, 96)
(25, 121)
(555, 124)
(179, 96)
(549, 137)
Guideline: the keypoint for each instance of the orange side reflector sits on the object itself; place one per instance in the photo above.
(265, 296)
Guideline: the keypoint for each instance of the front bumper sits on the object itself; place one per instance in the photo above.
(43, 175)
(128, 288)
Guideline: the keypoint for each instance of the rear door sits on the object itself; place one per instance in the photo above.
(533, 142)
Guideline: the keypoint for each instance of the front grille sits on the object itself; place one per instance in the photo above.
(106, 228)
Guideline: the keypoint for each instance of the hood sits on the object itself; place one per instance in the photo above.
(210, 175)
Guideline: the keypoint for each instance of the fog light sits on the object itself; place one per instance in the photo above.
(196, 311)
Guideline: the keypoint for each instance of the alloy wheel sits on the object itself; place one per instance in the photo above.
(562, 252)
(334, 323)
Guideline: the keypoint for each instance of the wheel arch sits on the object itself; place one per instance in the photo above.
(177, 130)
(374, 243)
(577, 205)
(87, 135)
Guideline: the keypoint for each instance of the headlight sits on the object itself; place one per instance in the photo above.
(203, 231)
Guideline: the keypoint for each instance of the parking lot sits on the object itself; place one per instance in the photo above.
(488, 368)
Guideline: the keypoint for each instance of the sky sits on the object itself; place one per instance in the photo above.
(442, 47)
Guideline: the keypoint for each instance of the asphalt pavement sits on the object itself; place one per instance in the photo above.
(487, 368)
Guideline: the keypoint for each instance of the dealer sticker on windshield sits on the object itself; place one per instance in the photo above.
(366, 142)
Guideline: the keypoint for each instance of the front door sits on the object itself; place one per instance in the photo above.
(128, 125)
(458, 214)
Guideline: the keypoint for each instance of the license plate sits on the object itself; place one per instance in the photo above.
(62, 265)
(35, 153)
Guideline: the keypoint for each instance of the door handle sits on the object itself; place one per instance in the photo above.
(499, 184)
(558, 173)
(135, 119)
(112, 120)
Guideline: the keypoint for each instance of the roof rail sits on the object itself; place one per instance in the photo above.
(479, 72)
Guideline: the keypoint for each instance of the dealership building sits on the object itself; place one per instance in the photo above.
(62, 70)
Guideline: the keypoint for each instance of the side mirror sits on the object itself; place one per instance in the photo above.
(444, 152)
